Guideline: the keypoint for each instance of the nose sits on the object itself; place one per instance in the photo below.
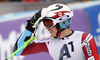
(48, 28)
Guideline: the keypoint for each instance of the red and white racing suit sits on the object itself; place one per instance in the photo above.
(77, 46)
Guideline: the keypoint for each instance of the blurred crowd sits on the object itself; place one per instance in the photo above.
(41, 0)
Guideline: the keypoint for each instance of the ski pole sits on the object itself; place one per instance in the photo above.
(25, 44)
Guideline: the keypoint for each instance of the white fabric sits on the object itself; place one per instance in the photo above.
(55, 46)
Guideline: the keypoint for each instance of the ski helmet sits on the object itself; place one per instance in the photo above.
(58, 15)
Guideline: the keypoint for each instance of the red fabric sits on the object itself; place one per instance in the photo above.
(92, 47)
(84, 36)
(35, 48)
(31, 0)
(99, 56)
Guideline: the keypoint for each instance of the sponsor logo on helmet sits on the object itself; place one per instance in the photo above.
(60, 13)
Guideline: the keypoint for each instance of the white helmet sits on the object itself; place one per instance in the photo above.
(58, 15)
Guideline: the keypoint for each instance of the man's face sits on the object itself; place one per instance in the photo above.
(53, 31)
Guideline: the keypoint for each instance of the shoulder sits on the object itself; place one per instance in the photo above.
(83, 35)
(78, 33)
(86, 37)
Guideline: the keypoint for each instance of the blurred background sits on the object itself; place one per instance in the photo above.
(14, 13)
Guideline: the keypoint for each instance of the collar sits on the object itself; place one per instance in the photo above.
(66, 37)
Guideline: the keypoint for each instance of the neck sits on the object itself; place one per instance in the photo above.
(66, 32)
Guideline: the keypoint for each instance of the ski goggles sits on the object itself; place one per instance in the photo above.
(51, 22)
(48, 22)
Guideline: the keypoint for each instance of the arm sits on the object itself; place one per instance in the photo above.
(31, 25)
(89, 47)
(21, 40)
(39, 45)
(35, 48)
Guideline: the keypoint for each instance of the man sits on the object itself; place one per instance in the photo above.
(64, 43)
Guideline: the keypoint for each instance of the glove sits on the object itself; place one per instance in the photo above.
(36, 19)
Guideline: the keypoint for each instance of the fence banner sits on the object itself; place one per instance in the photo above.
(94, 18)
(80, 21)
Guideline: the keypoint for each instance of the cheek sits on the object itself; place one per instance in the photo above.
(54, 32)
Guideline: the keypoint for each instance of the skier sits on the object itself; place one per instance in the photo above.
(64, 43)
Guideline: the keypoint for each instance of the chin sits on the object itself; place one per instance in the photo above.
(53, 35)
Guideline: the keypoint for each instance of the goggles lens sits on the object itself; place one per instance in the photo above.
(48, 23)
